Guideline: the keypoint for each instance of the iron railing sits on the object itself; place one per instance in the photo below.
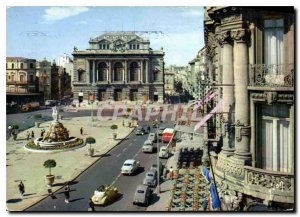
(273, 75)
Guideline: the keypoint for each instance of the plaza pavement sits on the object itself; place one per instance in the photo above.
(28, 166)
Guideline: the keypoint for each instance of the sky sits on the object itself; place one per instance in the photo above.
(49, 32)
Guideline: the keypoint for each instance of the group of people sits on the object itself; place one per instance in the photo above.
(30, 135)
(66, 192)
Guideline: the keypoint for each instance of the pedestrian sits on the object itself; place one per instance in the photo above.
(67, 193)
(42, 133)
(21, 189)
(123, 123)
(91, 205)
(28, 135)
(81, 131)
(171, 172)
(32, 134)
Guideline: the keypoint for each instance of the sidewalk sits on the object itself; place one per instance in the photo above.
(166, 186)
(28, 166)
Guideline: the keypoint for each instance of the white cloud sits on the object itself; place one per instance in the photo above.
(192, 13)
(82, 22)
(59, 13)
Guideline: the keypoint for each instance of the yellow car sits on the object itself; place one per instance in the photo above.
(105, 195)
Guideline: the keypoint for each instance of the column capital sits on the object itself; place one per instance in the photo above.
(224, 37)
(240, 35)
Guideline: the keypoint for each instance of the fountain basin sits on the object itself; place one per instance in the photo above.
(38, 145)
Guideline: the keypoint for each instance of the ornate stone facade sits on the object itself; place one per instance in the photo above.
(118, 66)
(254, 93)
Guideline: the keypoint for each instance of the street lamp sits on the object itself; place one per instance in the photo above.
(157, 158)
(93, 92)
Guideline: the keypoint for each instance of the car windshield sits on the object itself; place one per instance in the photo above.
(150, 174)
(154, 165)
(140, 191)
(127, 164)
(163, 149)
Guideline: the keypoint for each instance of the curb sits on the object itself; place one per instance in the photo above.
(80, 172)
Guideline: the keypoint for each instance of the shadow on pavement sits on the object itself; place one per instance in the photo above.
(102, 155)
(14, 200)
(140, 170)
(81, 198)
(154, 198)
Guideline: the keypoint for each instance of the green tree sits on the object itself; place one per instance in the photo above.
(50, 164)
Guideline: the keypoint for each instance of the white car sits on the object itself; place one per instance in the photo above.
(148, 146)
(130, 167)
(163, 152)
(152, 137)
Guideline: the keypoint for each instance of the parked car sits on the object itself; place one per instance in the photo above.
(148, 146)
(31, 106)
(140, 131)
(130, 167)
(154, 166)
(152, 137)
(142, 195)
(151, 178)
(161, 130)
(163, 152)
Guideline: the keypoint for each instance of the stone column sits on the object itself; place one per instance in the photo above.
(88, 71)
(96, 71)
(142, 71)
(228, 93)
(242, 118)
(109, 71)
(93, 71)
(139, 74)
(126, 71)
(147, 71)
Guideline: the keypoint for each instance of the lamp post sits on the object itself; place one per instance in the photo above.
(204, 82)
(157, 158)
(92, 92)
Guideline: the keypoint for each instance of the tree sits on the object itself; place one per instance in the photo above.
(178, 86)
(50, 164)
(90, 140)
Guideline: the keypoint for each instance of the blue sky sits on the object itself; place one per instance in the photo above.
(38, 32)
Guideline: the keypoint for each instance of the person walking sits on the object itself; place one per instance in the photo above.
(81, 131)
(28, 135)
(32, 135)
(67, 193)
(21, 189)
(171, 172)
(91, 205)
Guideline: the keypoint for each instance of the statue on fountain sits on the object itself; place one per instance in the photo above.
(55, 114)
(56, 131)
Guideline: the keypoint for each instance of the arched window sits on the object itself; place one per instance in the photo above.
(118, 71)
(31, 65)
(21, 65)
(12, 65)
(102, 71)
(134, 71)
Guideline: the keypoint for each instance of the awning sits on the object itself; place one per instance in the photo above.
(208, 116)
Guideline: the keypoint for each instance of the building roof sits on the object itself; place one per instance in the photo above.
(119, 35)
(19, 58)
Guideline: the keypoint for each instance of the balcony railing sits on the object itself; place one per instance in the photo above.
(263, 75)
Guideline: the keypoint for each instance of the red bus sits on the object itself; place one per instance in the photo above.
(167, 135)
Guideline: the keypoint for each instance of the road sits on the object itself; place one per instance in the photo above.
(107, 171)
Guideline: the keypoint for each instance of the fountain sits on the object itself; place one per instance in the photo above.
(55, 138)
